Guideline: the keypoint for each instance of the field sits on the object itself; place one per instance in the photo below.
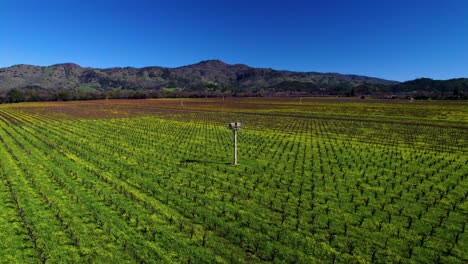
(325, 180)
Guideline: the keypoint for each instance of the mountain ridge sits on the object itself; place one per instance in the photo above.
(228, 75)
(210, 77)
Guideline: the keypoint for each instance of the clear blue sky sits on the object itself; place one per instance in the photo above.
(398, 40)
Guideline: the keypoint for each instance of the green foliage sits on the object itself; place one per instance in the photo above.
(151, 181)
(85, 88)
(14, 96)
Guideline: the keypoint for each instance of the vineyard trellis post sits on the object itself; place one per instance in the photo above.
(234, 127)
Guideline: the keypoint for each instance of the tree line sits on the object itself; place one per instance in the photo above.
(455, 89)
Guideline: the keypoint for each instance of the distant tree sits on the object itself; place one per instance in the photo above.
(14, 96)
(64, 95)
(351, 93)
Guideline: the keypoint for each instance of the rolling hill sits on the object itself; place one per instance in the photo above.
(71, 81)
(211, 73)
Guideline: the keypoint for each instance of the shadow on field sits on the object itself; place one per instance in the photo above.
(203, 161)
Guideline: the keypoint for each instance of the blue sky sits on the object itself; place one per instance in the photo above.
(397, 40)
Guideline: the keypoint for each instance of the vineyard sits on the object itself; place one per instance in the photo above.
(151, 181)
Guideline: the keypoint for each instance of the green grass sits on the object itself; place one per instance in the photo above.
(151, 180)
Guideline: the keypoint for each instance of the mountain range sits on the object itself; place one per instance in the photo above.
(206, 77)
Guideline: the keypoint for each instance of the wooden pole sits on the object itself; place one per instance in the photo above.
(234, 162)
